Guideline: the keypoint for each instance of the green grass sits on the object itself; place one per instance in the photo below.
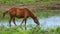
(14, 2)
(47, 14)
(16, 30)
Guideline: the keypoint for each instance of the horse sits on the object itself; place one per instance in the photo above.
(20, 13)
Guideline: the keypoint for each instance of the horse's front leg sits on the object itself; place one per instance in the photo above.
(22, 23)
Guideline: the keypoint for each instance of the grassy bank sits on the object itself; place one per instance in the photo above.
(16, 30)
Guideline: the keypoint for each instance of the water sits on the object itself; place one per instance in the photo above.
(49, 22)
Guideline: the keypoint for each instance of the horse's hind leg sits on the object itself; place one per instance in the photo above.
(10, 21)
(14, 21)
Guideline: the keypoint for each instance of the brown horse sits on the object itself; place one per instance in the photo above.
(20, 13)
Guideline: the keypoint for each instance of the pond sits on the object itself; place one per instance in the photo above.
(49, 22)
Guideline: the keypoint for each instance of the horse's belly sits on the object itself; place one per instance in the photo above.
(19, 16)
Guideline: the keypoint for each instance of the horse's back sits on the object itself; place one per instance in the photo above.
(20, 12)
(26, 12)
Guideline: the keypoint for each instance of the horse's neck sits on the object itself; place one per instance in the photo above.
(33, 16)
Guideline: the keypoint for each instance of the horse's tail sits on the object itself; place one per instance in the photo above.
(5, 13)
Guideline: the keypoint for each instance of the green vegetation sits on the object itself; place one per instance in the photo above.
(14, 2)
(47, 14)
(16, 30)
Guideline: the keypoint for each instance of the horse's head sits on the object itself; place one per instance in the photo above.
(36, 20)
